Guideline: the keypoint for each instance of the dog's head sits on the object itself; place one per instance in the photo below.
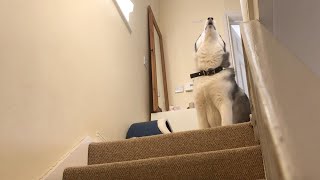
(209, 31)
(209, 26)
(210, 42)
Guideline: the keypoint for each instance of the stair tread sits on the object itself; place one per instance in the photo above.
(225, 137)
(237, 163)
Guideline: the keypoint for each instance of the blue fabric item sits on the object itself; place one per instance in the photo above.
(143, 129)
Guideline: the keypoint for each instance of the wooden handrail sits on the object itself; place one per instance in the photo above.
(285, 96)
(250, 10)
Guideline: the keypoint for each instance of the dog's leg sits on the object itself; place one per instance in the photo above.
(202, 118)
(226, 113)
(213, 115)
(200, 104)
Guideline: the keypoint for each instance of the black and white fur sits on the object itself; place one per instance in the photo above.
(218, 99)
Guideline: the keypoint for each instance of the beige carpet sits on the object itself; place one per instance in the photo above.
(226, 137)
(242, 163)
(223, 153)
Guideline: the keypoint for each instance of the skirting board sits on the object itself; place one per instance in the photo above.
(78, 156)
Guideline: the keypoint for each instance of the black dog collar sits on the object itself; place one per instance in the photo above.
(210, 72)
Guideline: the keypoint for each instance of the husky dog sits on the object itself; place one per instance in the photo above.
(218, 99)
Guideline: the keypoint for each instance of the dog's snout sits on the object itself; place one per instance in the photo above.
(210, 20)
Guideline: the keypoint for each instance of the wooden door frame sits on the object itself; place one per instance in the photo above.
(155, 103)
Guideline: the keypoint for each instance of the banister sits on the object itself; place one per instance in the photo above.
(285, 96)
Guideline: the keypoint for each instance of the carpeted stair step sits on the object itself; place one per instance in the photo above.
(241, 163)
(225, 137)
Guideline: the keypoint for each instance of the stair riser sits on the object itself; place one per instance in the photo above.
(242, 163)
(172, 144)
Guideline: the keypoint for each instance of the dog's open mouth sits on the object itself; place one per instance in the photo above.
(210, 25)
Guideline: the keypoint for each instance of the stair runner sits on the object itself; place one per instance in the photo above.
(222, 153)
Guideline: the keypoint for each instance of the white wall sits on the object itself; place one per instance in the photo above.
(67, 69)
(295, 24)
(180, 31)
(266, 14)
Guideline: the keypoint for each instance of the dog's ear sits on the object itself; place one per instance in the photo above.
(225, 60)
(198, 42)
(195, 47)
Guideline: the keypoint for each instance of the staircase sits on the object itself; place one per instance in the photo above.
(222, 153)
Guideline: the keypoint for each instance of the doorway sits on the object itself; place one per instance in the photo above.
(236, 50)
